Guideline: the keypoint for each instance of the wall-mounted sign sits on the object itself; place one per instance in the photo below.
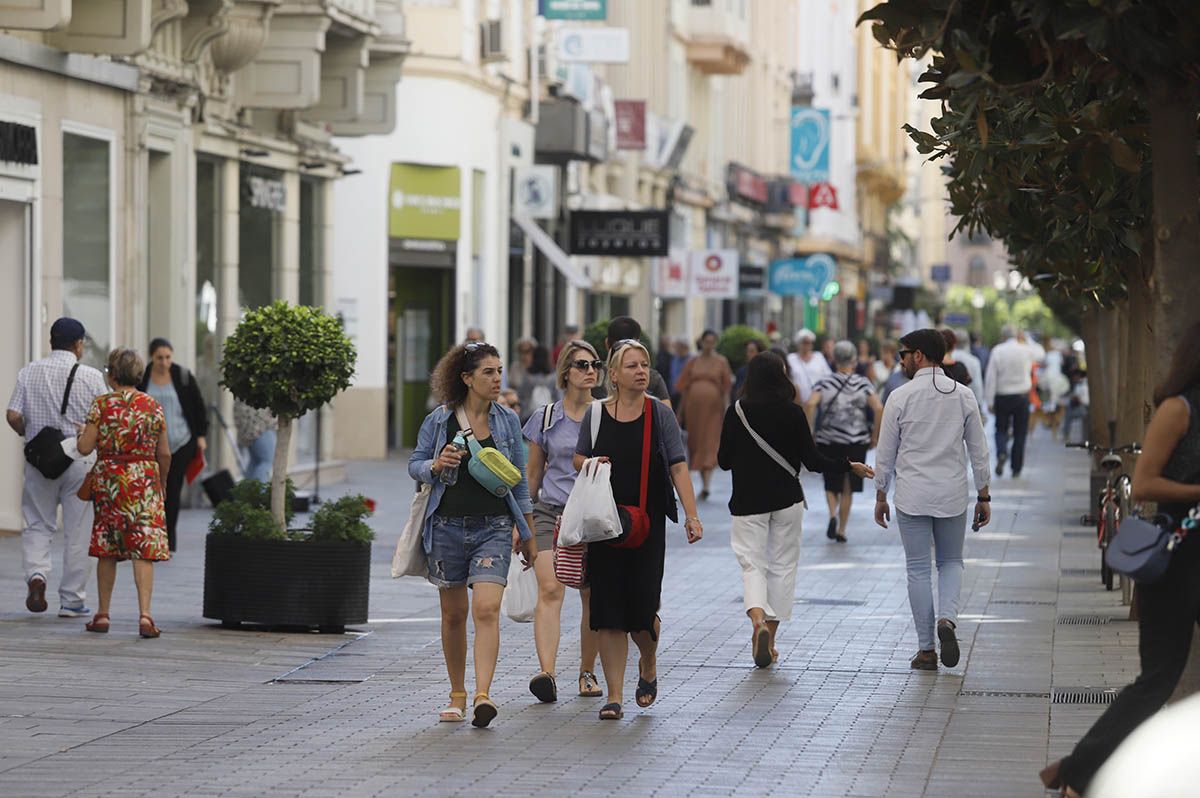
(574, 9)
(424, 202)
(620, 233)
(802, 276)
(267, 193)
(18, 143)
(593, 45)
(535, 191)
(631, 124)
(671, 275)
(940, 272)
(810, 144)
(714, 273)
(822, 195)
(746, 184)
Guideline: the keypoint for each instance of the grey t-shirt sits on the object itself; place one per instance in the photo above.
(657, 388)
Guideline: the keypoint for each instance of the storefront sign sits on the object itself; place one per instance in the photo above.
(18, 143)
(620, 233)
(714, 273)
(593, 45)
(424, 202)
(810, 144)
(752, 280)
(940, 272)
(574, 9)
(746, 184)
(802, 276)
(822, 195)
(631, 124)
(266, 193)
(671, 275)
(535, 192)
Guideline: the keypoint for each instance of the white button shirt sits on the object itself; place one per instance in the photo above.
(38, 394)
(925, 422)
(1009, 370)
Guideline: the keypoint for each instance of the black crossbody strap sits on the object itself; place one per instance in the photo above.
(67, 394)
(821, 415)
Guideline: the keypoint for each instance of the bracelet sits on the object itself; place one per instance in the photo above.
(984, 499)
(695, 518)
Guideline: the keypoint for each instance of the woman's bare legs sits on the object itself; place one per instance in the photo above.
(106, 577)
(589, 639)
(485, 611)
(143, 578)
(546, 626)
(455, 607)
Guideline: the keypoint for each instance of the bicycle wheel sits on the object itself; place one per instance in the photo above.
(1110, 526)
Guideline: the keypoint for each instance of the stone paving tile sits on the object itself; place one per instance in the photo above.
(198, 713)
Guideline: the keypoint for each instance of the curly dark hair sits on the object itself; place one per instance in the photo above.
(446, 379)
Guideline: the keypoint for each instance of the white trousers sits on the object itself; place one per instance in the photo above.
(768, 549)
(40, 501)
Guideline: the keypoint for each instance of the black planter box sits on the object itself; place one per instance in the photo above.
(286, 582)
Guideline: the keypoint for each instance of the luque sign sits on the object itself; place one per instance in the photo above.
(802, 276)
(620, 233)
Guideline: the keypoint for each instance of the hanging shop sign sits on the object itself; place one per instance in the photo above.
(746, 184)
(671, 275)
(593, 45)
(424, 202)
(593, 10)
(620, 233)
(806, 276)
(822, 195)
(535, 191)
(18, 143)
(810, 144)
(264, 192)
(631, 124)
(714, 273)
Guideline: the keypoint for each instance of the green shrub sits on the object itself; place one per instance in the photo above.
(342, 519)
(248, 511)
(594, 335)
(732, 343)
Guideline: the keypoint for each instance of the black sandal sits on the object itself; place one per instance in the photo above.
(543, 688)
(611, 712)
(646, 689)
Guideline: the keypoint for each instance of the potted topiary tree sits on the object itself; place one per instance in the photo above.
(290, 360)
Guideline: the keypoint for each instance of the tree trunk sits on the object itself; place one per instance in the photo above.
(283, 439)
(1176, 182)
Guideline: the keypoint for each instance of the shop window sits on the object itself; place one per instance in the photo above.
(260, 211)
(207, 294)
(310, 243)
(87, 240)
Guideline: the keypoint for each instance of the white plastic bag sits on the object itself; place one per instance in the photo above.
(520, 596)
(591, 512)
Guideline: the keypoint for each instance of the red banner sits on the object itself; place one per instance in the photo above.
(822, 195)
(631, 124)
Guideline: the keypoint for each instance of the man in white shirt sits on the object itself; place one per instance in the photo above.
(962, 353)
(1007, 385)
(808, 367)
(925, 422)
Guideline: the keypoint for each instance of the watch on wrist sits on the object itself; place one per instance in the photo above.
(984, 499)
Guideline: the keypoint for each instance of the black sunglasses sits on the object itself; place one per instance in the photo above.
(904, 352)
(584, 365)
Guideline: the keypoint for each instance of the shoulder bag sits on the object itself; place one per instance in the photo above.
(1143, 547)
(44, 450)
(488, 466)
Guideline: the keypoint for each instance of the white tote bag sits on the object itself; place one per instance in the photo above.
(409, 559)
(520, 596)
(590, 515)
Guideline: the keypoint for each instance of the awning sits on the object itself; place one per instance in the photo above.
(553, 252)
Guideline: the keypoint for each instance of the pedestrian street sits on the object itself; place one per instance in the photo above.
(209, 711)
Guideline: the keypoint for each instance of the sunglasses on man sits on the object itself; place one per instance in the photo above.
(904, 352)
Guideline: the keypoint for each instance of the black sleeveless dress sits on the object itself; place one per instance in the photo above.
(1184, 465)
(627, 583)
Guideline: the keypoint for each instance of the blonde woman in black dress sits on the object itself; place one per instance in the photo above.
(626, 583)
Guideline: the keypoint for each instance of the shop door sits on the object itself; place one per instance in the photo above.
(14, 325)
(421, 330)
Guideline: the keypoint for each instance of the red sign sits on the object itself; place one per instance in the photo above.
(748, 185)
(798, 194)
(631, 124)
(822, 195)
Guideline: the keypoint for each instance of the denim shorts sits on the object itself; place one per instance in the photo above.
(469, 549)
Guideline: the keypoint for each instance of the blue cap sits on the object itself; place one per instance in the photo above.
(66, 331)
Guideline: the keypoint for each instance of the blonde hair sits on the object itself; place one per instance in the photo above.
(125, 367)
(614, 362)
(563, 367)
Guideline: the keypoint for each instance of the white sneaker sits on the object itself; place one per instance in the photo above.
(74, 612)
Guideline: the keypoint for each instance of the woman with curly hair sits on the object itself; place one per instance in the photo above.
(470, 532)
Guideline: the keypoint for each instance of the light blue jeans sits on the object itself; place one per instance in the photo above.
(262, 457)
(945, 536)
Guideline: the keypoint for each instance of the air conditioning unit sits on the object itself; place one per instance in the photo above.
(491, 41)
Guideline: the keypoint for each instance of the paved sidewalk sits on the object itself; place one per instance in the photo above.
(208, 711)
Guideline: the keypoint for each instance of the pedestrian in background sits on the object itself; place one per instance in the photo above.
(37, 402)
(128, 430)
(553, 433)
(962, 354)
(475, 334)
(519, 368)
(468, 532)
(953, 368)
(866, 361)
(767, 504)
(845, 414)
(177, 392)
(825, 344)
(1008, 381)
(925, 423)
(569, 333)
(979, 350)
(256, 435)
(704, 388)
(626, 583)
(682, 354)
(807, 367)
(1077, 403)
(1167, 472)
(754, 348)
(624, 328)
(885, 366)
(540, 386)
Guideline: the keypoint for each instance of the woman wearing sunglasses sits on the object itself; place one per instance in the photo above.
(552, 432)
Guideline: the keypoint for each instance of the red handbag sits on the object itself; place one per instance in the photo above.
(635, 521)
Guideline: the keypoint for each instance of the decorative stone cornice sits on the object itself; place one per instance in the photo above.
(165, 11)
(286, 73)
(247, 26)
(109, 27)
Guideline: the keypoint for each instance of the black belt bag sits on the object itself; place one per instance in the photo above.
(44, 450)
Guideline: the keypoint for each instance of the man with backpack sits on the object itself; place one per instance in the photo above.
(50, 404)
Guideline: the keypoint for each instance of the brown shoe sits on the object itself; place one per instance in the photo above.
(36, 600)
(925, 661)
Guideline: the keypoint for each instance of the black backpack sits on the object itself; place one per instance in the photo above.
(44, 450)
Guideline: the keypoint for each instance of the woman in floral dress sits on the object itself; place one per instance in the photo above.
(128, 430)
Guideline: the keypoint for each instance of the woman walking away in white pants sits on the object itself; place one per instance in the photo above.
(764, 440)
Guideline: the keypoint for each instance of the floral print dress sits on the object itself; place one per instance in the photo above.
(130, 523)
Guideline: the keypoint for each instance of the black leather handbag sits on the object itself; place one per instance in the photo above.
(44, 450)
(1142, 548)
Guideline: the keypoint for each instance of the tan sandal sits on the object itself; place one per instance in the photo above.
(453, 714)
(484, 711)
(589, 686)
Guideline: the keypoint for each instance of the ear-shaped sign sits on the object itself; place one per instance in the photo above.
(810, 138)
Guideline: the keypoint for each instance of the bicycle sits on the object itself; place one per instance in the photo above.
(1114, 501)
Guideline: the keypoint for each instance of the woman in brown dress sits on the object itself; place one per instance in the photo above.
(704, 386)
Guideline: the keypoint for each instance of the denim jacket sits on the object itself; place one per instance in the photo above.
(506, 432)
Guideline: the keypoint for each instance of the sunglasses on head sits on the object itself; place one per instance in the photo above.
(471, 346)
(584, 365)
